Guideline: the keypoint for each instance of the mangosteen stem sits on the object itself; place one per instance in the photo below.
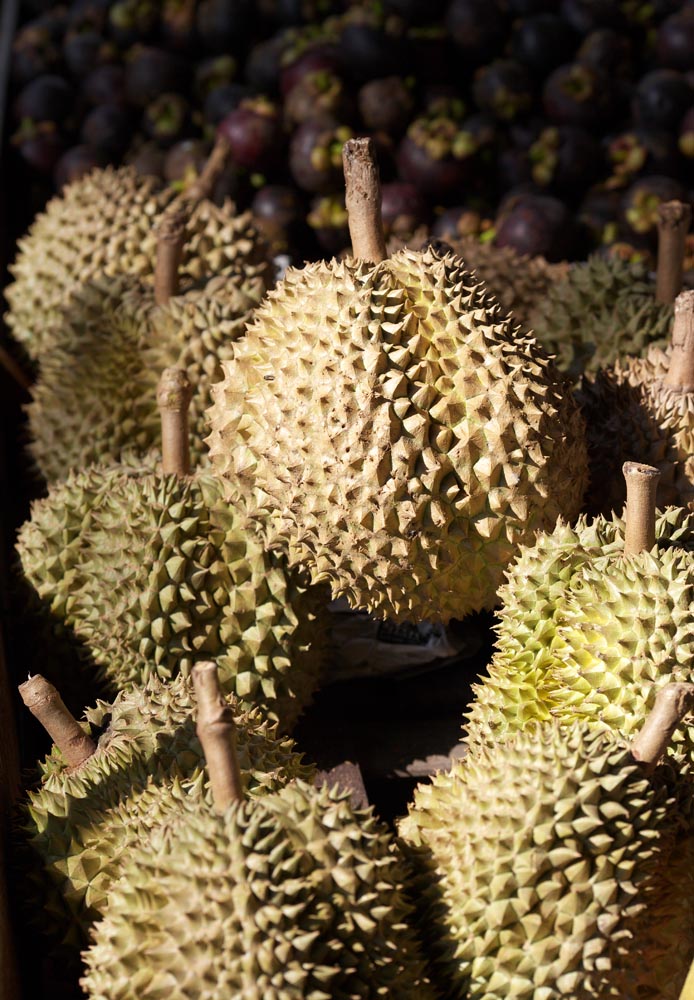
(216, 162)
(642, 483)
(673, 222)
(681, 371)
(217, 733)
(363, 200)
(45, 704)
(171, 237)
(672, 703)
(174, 394)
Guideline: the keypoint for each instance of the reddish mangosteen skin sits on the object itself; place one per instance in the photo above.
(599, 106)
(151, 72)
(255, 139)
(107, 128)
(309, 178)
(278, 204)
(477, 27)
(661, 99)
(402, 207)
(433, 178)
(537, 226)
(105, 85)
(184, 157)
(324, 58)
(386, 104)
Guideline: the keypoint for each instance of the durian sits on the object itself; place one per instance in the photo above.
(155, 570)
(82, 823)
(558, 863)
(297, 897)
(587, 632)
(602, 309)
(389, 428)
(643, 408)
(104, 224)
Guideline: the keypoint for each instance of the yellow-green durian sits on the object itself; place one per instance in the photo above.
(393, 431)
(81, 825)
(154, 573)
(551, 866)
(95, 397)
(588, 633)
(297, 897)
(105, 224)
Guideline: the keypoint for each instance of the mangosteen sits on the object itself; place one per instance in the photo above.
(661, 99)
(608, 51)
(85, 15)
(185, 160)
(642, 200)
(585, 16)
(105, 85)
(566, 160)
(686, 137)
(315, 155)
(436, 156)
(537, 225)
(39, 144)
(403, 209)
(328, 220)
(542, 42)
(132, 21)
(321, 56)
(638, 151)
(214, 72)
(458, 222)
(433, 57)
(167, 119)
(254, 132)
(147, 159)
(675, 41)
(150, 72)
(75, 163)
(370, 49)
(599, 212)
(504, 89)
(48, 98)
(177, 23)
(264, 64)
(513, 168)
(221, 101)
(318, 95)
(34, 53)
(85, 51)
(477, 27)
(225, 25)
(578, 94)
(417, 11)
(235, 184)
(277, 212)
(386, 104)
(107, 128)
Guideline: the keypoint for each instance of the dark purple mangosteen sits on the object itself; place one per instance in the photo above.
(147, 159)
(661, 99)
(264, 64)
(640, 151)
(48, 98)
(185, 160)
(150, 72)
(458, 222)
(328, 220)
(578, 94)
(436, 155)
(85, 51)
(105, 85)
(417, 11)
(433, 56)
(386, 104)
(254, 133)
(317, 96)
(477, 27)
(39, 144)
(608, 51)
(585, 16)
(108, 129)
(504, 89)
(75, 163)
(675, 41)
(34, 53)
(214, 72)
(513, 168)
(566, 160)
(133, 21)
(542, 42)
(221, 101)
(641, 202)
(167, 119)
(225, 25)
(315, 155)
(322, 56)
(403, 209)
(278, 212)
(177, 23)
(685, 141)
(537, 225)
(371, 49)
(599, 213)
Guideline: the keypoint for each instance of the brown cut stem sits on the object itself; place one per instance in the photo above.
(672, 703)
(673, 222)
(642, 484)
(174, 394)
(363, 200)
(44, 702)
(216, 162)
(681, 371)
(217, 733)
(171, 237)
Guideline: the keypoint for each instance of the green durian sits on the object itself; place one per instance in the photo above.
(155, 572)
(395, 433)
(602, 309)
(94, 399)
(552, 866)
(297, 897)
(587, 633)
(82, 825)
(105, 224)
(643, 409)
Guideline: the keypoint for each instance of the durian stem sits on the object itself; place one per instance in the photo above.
(217, 734)
(44, 702)
(642, 483)
(171, 237)
(672, 703)
(216, 162)
(681, 371)
(673, 222)
(174, 394)
(363, 200)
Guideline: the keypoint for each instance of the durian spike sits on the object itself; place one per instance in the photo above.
(204, 185)
(642, 483)
(681, 371)
(174, 394)
(673, 222)
(45, 704)
(363, 200)
(217, 734)
(672, 703)
(171, 238)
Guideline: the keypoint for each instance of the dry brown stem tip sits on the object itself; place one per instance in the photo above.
(171, 237)
(672, 703)
(217, 733)
(174, 394)
(46, 705)
(681, 371)
(642, 485)
(674, 214)
(216, 162)
(673, 223)
(363, 200)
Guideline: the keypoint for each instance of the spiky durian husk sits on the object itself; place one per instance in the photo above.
(155, 573)
(299, 897)
(601, 310)
(388, 429)
(95, 397)
(81, 825)
(553, 867)
(585, 633)
(632, 415)
(104, 224)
